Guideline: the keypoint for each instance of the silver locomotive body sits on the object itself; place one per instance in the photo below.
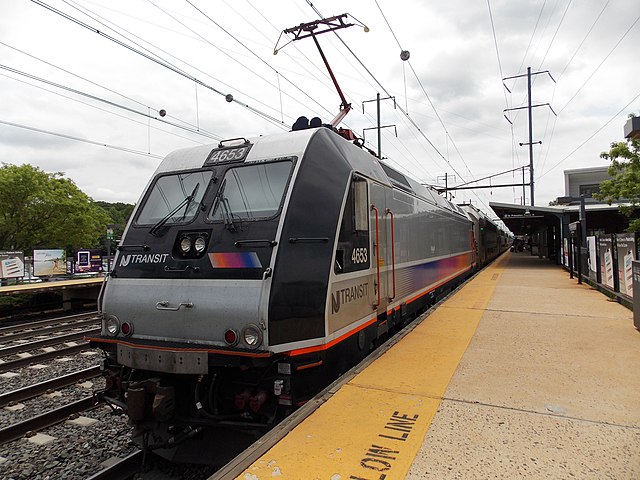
(255, 272)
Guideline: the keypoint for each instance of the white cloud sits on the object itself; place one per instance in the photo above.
(452, 51)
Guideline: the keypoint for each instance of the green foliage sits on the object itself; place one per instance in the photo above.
(119, 212)
(624, 185)
(46, 210)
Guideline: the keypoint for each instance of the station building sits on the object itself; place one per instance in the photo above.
(577, 230)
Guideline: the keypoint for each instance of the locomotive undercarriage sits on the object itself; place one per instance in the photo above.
(167, 409)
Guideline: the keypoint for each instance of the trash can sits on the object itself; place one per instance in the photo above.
(635, 273)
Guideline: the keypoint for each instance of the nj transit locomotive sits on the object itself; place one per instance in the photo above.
(254, 272)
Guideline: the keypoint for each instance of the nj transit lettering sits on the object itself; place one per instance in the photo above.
(347, 295)
(143, 258)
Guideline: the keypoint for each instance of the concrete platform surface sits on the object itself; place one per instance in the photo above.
(522, 373)
(549, 386)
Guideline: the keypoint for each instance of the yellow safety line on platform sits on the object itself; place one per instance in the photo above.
(373, 427)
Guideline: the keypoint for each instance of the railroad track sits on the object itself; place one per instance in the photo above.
(31, 391)
(56, 340)
(39, 422)
(47, 330)
(47, 419)
(43, 356)
(44, 323)
(124, 469)
(130, 466)
(25, 410)
(35, 351)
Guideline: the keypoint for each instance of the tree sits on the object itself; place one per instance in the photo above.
(119, 212)
(46, 210)
(624, 184)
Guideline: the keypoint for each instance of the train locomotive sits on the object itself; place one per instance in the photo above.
(254, 272)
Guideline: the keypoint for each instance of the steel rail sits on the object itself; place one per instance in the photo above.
(44, 323)
(125, 469)
(42, 387)
(31, 332)
(61, 352)
(52, 417)
(25, 347)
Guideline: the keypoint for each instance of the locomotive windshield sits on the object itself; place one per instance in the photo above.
(251, 192)
(174, 198)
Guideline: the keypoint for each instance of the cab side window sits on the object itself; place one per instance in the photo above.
(352, 253)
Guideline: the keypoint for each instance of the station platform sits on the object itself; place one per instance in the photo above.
(522, 373)
(38, 287)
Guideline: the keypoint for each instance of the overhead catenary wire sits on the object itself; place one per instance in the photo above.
(160, 62)
(592, 135)
(114, 27)
(110, 112)
(409, 147)
(85, 79)
(150, 53)
(254, 54)
(425, 94)
(601, 63)
(352, 101)
(583, 40)
(430, 102)
(555, 34)
(276, 29)
(348, 95)
(108, 102)
(384, 89)
(78, 139)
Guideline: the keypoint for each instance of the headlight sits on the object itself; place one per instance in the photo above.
(185, 245)
(252, 336)
(113, 325)
(199, 244)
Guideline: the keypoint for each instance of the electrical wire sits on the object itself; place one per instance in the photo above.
(115, 28)
(256, 55)
(78, 139)
(592, 135)
(299, 64)
(555, 34)
(133, 100)
(158, 61)
(495, 43)
(384, 89)
(430, 102)
(601, 63)
(535, 28)
(108, 102)
(103, 109)
(584, 39)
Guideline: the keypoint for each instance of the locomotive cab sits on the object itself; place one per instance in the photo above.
(255, 272)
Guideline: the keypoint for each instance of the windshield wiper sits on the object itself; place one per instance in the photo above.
(228, 221)
(223, 202)
(184, 203)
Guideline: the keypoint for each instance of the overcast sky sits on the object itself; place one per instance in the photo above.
(449, 95)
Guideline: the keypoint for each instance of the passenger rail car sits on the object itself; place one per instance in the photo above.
(255, 272)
